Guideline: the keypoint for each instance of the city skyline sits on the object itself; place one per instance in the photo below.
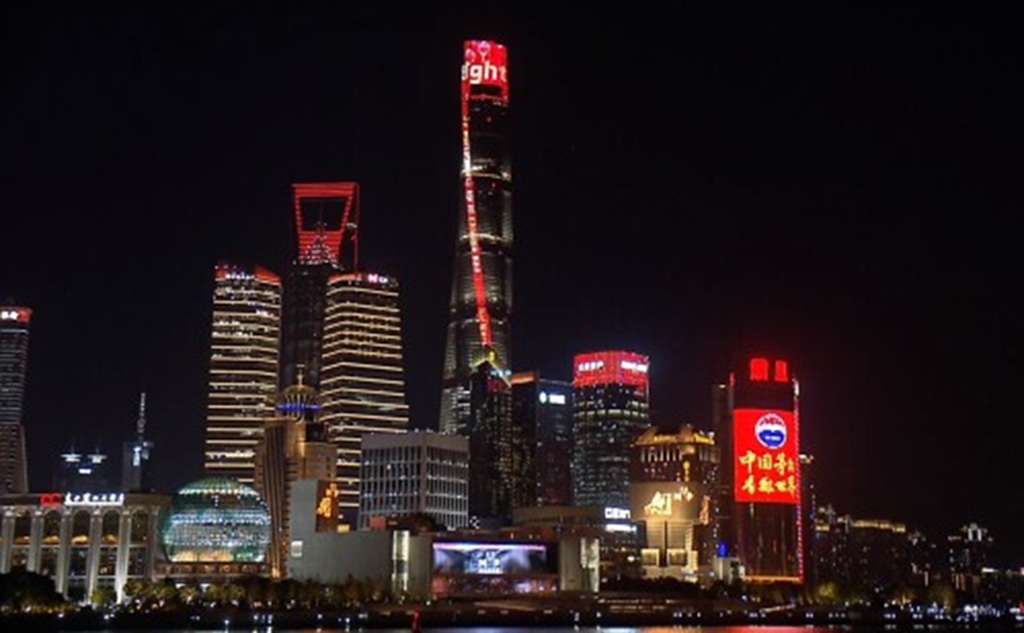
(691, 189)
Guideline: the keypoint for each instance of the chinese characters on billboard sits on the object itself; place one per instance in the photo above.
(766, 458)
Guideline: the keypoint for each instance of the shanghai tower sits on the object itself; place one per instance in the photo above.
(481, 298)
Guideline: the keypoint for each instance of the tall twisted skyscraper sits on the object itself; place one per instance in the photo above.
(13, 362)
(481, 299)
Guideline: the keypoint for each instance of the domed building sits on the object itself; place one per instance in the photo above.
(216, 520)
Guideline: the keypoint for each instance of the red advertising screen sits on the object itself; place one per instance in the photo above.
(486, 64)
(605, 368)
(766, 458)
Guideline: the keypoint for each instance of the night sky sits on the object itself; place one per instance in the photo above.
(837, 187)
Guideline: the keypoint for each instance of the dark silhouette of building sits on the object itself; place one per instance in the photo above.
(610, 410)
(481, 298)
(542, 408)
(499, 479)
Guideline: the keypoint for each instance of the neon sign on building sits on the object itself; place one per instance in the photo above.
(767, 456)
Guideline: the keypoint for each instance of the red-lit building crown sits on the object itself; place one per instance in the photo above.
(326, 217)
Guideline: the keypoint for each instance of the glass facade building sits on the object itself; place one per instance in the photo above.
(420, 472)
(481, 297)
(610, 410)
(542, 408)
(243, 366)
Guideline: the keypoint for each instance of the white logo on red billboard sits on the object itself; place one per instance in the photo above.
(770, 430)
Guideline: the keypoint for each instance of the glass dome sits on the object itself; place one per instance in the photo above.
(216, 519)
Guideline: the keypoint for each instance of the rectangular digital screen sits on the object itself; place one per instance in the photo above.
(491, 558)
(766, 460)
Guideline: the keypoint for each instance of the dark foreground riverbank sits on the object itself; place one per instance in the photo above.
(525, 614)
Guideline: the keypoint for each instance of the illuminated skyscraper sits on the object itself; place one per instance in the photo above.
(610, 410)
(481, 298)
(14, 325)
(326, 228)
(362, 381)
(758, 423)
(243, 366)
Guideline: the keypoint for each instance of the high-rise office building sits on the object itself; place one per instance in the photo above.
(14, 326)
(135, 475)
(243, 366)
(499, 475)
(610, 410)
(417, 473)
(362, 380)
(481, 298)
(758, 423)
(326, 229)
(542, 408)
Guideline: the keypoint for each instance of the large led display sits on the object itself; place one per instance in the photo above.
(766, 457)
(491, 558)
(486, 64)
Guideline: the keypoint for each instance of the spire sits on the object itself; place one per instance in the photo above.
(140, 426)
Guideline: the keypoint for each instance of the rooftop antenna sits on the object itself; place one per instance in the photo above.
(140, 426)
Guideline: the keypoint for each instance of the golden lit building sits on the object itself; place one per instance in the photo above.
(362, 381)
(671, 495)
(243, 367)
(294, 447)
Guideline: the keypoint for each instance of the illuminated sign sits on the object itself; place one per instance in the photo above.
(374, 278)
(15, 314)
(604, 368)
(50, 499)
(551, 398)
(486, 64)
(327, 506)
(93, 499)
(630, 365)
(492, 558)
(766, 455)
(616, 514)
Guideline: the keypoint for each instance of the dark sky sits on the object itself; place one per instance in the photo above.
(836, 186)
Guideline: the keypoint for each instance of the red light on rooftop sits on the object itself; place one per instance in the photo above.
(781, 371)
(603, 368)
(758, 369)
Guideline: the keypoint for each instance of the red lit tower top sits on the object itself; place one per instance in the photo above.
(326, 218)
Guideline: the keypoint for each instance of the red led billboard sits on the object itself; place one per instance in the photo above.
(605, 368)
(766, 456)
(485, 64)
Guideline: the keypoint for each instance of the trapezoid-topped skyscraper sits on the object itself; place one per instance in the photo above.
(481, 299)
